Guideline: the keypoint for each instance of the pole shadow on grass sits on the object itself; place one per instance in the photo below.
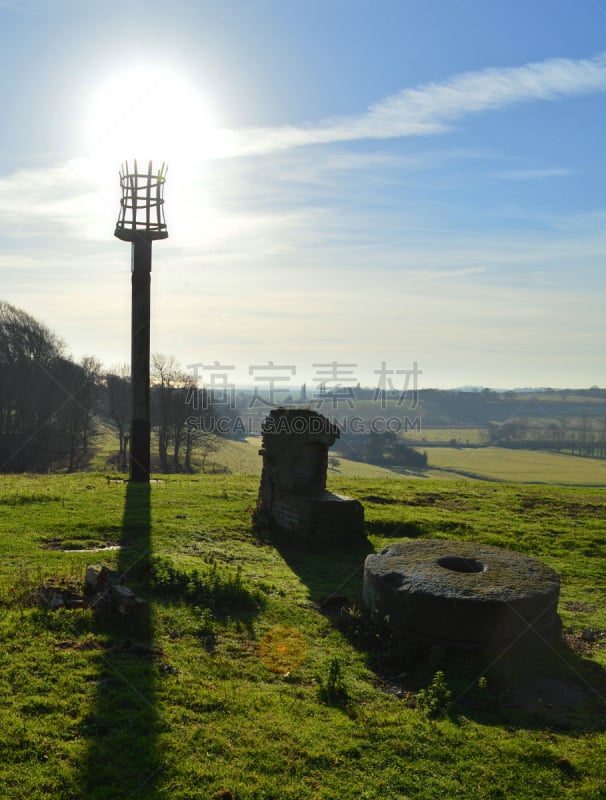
(123, 759)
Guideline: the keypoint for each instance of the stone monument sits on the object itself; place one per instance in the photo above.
(293, 500)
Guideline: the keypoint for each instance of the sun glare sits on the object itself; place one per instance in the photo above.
(151, 112)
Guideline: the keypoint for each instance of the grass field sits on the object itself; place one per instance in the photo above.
(237, 457)
(220, 688)
(483, 463)
(461, 435)
(242, 458)
(522, 466)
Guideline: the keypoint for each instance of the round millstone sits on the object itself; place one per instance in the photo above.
(463, 593)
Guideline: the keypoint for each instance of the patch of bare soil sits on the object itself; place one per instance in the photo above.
(433, 499)
(59, 546)
(557, 701)
(586, 642)
(381, 501)
(575, 605)
(562, 507)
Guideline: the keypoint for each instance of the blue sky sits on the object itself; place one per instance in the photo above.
(350, 182)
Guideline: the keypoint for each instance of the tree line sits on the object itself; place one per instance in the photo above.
(385, 448)
(583, 437)
(51, 406)
(47, 401)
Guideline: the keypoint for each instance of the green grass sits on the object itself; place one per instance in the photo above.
(221, 684)
(243, 458)
(483, 463)
(105, 446)
(522, 466)
(237, 457)
(463, 435)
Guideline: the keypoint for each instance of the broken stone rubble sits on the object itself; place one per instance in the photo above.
(106, 591)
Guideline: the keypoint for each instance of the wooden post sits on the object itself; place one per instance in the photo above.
(140, 332)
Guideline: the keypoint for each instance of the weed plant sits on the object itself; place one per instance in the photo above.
(435, 699)
(333, 689)
(209, 586)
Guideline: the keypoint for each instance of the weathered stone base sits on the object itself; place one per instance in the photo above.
(463, 594)
(323, 519)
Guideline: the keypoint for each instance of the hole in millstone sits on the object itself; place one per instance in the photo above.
(459, 564)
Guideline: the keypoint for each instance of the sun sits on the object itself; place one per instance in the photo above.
(151, 111)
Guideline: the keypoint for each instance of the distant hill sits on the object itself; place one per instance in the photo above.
(438, 407)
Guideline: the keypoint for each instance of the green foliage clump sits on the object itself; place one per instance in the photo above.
(434, 701)
(210, 587)
(27, 498)
(21, 591)
(206, 623)
(333, 690)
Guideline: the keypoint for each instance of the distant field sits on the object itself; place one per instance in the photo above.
(105, 446)
(484, 463)
(520, 466)
(243, 458)
(462, 435)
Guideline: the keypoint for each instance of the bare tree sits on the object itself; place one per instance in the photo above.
(172, 393)
(118, 386)
(80, 384)
(208, 443)
(162, 377)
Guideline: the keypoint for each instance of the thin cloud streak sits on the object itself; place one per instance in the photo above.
(534, 174)
(431, 108)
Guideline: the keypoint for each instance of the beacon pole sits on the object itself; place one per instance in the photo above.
(141, 221)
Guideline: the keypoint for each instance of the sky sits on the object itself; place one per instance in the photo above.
(355, 188)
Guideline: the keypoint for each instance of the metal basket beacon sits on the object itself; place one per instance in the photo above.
(141, 221)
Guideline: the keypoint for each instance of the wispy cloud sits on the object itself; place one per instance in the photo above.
(69, 193)
(64, 198)
(318, 238)
(532, 174)
(433, 107)
(38, 6)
